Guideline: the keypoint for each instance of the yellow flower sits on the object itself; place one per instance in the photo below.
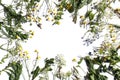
(84, 22)
(108, 0)
(20, 48)
(31, 37)
(21, 54)
(82, 17)
(74, 60)
(49, 11)
(57, 22)
(68, 73)
(34, 19)
(32, 33)
(33, 9)
(117, 10)
(36, 51)
(37, 5)
(110, 26)
(38, 57)
(61, 6)
(28, 56)
(39, 20)
(17, 37)
(111, 30)
(29, 17)
(113, 39)
(52, 20)
(26, 52)
(68, 6)
(55, 11)
(108, 44)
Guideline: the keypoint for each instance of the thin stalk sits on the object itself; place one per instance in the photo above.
(28, 72)
(23, 76)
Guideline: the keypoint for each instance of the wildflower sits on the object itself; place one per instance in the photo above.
(74, 60)
(111, 28)
(29, 17)
(37, 5)
(31, 37)
(84, 22)
(49, 11)
(20, 48)
(113, 39)
(81, 17)
(33, 9)
(32, 33)
(28, 56)
(108, 0)
(68, 6)
(38, 57)
(68, 74)
(58, 23)
(39, 20)
(61, 6)
(34, 19)
(108, 44)
(17, 37)
(52, 20)
(26, 52)
(36, 51)
(48, 19)
(21, 54)
(117, 10)
(55, 11)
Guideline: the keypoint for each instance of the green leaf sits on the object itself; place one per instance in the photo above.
(92, 77)
(87, 13)
(37, 0)
(3, 59)
(89, 1)
(1, 23)
(91, 16)
(26, 0)
(81, 3)
(15, 71)
(99, 17)
(81, 59)
(93, 23)
(89, 63)
(101, 6)
(35, 73)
